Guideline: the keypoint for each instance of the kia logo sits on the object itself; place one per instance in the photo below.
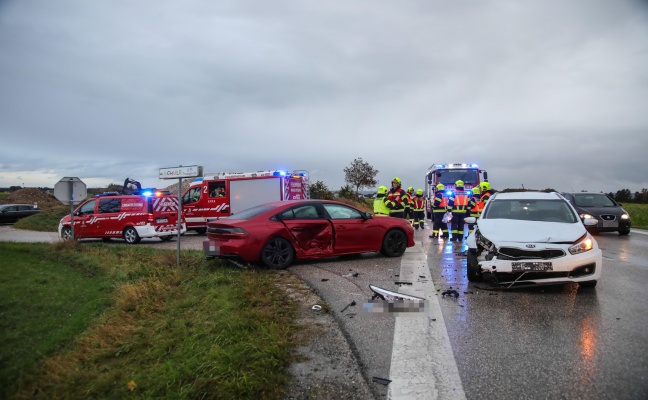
(531, 246)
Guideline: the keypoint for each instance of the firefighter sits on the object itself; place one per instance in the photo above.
(475, 206)
(458, 205)
(418, 209)
(395, 199)
(380, 208)
(408, 206)
(486, 193)
(439, 207)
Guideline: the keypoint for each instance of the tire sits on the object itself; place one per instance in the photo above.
(624, 232)
(200, 231)
(394, 243)
(277, 253)
(166, 238)
(588, 284)
(66, 233)
(130, 235)
(473, 268)
(105, 240)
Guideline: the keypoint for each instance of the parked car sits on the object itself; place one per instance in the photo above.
(14, 212)
(532, 238)
(609, 214)
(277, 233)
(131, 217)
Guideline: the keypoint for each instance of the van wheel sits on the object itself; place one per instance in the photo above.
(588, 284)
(66, 233)
(624, 232)
(200, 231)
(166, 238)
(277, 253)
(131, 236)
(394, 243)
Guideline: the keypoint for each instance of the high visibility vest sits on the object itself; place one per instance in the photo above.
(484, 198)
(440, 203)
(409, 199)
(380, 208)
(478, 206)
(418, 203)
(395, 200)
(459, 202)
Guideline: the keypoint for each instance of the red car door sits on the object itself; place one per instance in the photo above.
(310, 229)
(85, 221)
(353, 232)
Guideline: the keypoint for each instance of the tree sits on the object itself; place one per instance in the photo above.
(319, 190)
(360, 175)
(346, 192)
(623, 195)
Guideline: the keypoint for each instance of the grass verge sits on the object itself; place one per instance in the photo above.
(116, 322)
(638, 214)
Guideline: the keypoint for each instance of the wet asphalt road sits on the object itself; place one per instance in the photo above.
(553, 342)
(543, 343)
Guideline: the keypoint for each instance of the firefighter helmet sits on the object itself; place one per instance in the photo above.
(475, 190)
(397, 180)
(382, 190)
(419, 192)
(485, 186)
(440, 186)
(459, 183)
(410, 189)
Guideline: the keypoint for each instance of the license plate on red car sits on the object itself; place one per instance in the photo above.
(161, 220)
(532, 266)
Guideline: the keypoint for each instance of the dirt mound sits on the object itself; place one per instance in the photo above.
(174, 188)
(39, 197)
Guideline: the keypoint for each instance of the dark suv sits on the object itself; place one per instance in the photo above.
(14, 212)
(611, 217)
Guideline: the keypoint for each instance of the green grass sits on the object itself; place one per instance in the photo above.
(638, 214)
(44, 221)
(110, 322)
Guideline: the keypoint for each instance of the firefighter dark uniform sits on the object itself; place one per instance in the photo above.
(380, 208)
(439, 207)
(486, 193)
(418, 209)
(395, 200)
(475, 206)
(458, 205)
(408, 206)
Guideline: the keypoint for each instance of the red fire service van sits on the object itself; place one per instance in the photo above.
(224, 194)
(131, 215)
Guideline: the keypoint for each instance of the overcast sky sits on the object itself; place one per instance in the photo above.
(540, 93)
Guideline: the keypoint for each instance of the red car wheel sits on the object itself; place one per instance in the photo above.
(277, 253)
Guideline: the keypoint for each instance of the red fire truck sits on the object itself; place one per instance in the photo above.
(448, 174)
(223, 194)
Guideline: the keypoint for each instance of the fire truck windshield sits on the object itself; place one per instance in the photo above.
(450, 176)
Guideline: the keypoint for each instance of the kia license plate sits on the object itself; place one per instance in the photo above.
(532, 266)
(161, 220)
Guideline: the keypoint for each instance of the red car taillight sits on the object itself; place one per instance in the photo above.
(227, 231)
(150, 218)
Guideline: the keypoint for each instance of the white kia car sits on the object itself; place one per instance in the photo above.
(532, 238)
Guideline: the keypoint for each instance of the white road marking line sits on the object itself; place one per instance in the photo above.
(422, 364)
(641, 232)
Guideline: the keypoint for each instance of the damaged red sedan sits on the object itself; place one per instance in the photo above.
(277, 233)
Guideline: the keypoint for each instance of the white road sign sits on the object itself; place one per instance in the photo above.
(70, 190)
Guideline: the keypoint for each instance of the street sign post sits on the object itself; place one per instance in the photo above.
(72, 191)
(192, 171)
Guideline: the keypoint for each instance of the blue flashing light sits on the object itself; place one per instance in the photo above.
(474, 166)
(279, 173)
(449, 193)
(147, 193)
(198, 179)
